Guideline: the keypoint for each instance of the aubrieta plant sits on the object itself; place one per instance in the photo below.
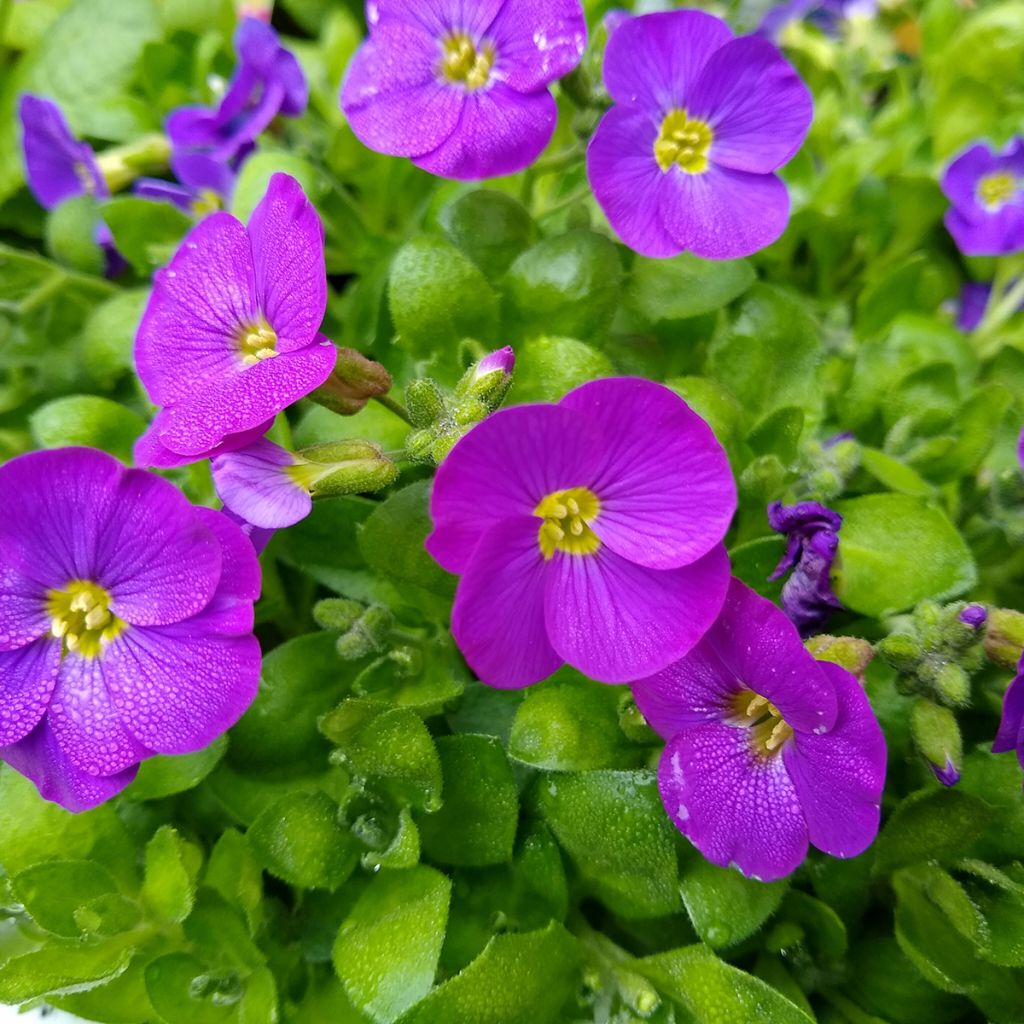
(512, 512)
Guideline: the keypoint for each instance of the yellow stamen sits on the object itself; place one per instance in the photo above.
(994, 190)
(768, 730)
(684, 142)
(82, 619)
(257, 342)
(466, 62)
(567, 517)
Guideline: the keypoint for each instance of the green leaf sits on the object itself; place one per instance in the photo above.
(931, 824)
(53, 892)
(387, 950)
(59, 969)
(895, 550)
(490, 227)
(548, 367)
(517, 979)
(389, 746)
(895, 475)
(183, 991)
(254, 179)
(146, 231)
(685, 286)
(615, 831)
(391, 540)
(477, 823)
(725, 907)
(108, 339)
(165, 775)
(567, 285)
(299, 840)
(172, 866)
(778, 433)
(713, 992)
(572, 724)
(89, 421)
(404, 849)
(71, 235)
(438, 297)
(234, 872)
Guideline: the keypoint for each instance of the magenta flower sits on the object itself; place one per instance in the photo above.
(460, 88)
(127, 627)
(768, 750)
(812, 540)
(259, 484)
(986, 190)
(1010, 735)
(230, 337)
(586, 532)
(684, 161)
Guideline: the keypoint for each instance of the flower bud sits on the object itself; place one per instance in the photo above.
(424, 401)
(337, 614)
(900, 650)
(418, 445)
(353, 382)
(937, 737)
(953, 685)
(368, 635)
(488, 380)
(1004, 639)
(850, 652)
(344, 467)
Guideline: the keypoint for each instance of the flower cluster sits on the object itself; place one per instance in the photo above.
(127, 625)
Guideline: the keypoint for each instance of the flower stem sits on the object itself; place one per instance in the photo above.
(1005, 299)
(396, 407)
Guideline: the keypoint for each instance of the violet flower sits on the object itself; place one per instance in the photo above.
(206, 185)
(58, 166)
(127, 627)
(258, 484)
(586, 532)
(986, 190)
(768, 750)
(684, 161)
(267, 82)
(1010, 735)
(812, 540)
(229, 336)
(974, 615)
(461, 88)
(828, 15)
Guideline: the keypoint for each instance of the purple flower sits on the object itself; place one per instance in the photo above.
(502, 359)
(986, 190)
(259, 483)
(206, 185)
(828, 15)
(59, 166)
(684, 159)
(127, 626)
(768, 750)
(1011, 726)
(461, 88)
(586, 532)
(812, 540)
(267, 82)
(974, 615)
(230, 337)
(948, 774)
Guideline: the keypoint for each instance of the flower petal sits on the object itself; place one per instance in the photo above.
(537, 41)
(652, 62)
(722, 214)
(393, 95)
(735, 807)
(198, 303)
(23, 616)
(993, 234)
(1012, 720)
(500, 131)
(616, 621)
(437, 17)
(839, 775)
(151, 451)
(230, 610)
(627, 181)
(40, 758)
(762, 649)
(179, 689)
(755, 103)
(666, 490)
(498, 615)
(288, 260)
(503, 468)
(245, 398)
(27, 678)
(254, 483)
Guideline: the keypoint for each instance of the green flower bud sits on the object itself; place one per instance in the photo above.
(488, 380)
(343, 467)
(353, 382)
(850, 652)
(953, 685)
(425, 402)
(469, 412)
(418, 445)
(936, 735)
(337, 614)
(368, 635)
(900, 650)
(1004, 639)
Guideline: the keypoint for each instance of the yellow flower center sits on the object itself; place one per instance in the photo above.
(82, 619)
(769, 731)
(683, 141)
(567, 516)
(462, 62)
(257, 342)
(207, 201)
(996, 189)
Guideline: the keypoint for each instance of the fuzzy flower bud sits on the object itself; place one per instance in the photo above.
(367, 635)
(937, 737)
(851, 652)
(900, 650)
(488, 380)
(425, 402)
(1004, 639)
(344, 467)
(354, 381)
(337, 614)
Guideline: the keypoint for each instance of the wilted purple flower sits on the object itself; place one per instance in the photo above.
(586, 532)
(230, 337)
(986, 190)
(812, 539)
(267, 82)
(59, 166)
(461, 88)
(127, 626)
(685, 158)
(1011, 726)
(828, 15)
(768, 750)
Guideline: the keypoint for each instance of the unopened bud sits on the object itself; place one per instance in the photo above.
(900, 650)
(418, 445)
(353, 382)
(936, 735)
(443, 444)
(344, 467)
(953, 685)
(424, 401)
(488, 380)
(368, 635)
(337, 614)
(850, 652)
(469, 412)
(1004, 638)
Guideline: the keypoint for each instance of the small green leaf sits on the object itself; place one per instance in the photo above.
(172, 865)
(234, 872)
(184, 991)
(60, 969)
(53, 892)
(387, 950)
(89, 421)
(490, 227)
(166, 775)
(685, 286)
(255, 175)
(146, 232)
(895, 475)
(547, 367)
